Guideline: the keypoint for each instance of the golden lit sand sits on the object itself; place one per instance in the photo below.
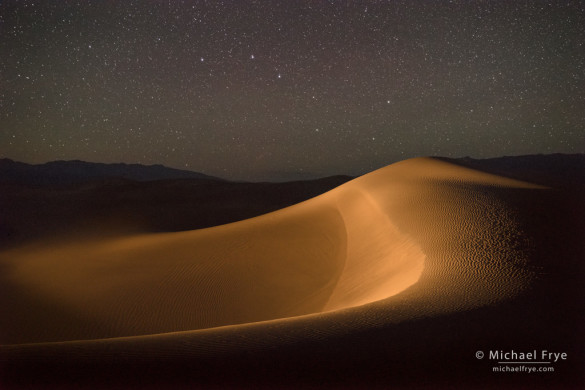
(414, 239)
(360, 243)
(335, 251)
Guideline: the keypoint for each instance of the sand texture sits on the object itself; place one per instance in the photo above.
(386, 278)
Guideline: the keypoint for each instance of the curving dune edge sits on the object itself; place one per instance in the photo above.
(418, 238)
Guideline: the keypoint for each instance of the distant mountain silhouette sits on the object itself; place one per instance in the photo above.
(554, 170)
(75, 172)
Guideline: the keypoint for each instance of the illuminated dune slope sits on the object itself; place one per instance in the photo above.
(416, 238)
(334, 251)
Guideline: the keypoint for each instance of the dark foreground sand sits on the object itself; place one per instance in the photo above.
(393, 280)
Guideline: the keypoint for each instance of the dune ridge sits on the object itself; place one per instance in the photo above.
(284, 264)
(422, 225)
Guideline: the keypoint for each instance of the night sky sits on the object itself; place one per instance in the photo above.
(274, 90)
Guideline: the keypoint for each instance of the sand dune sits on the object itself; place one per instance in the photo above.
(335, 251)
(418, 239)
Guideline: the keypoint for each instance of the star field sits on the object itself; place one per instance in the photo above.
(275, 90)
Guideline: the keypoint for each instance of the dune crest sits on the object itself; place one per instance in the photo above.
(421, 223)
